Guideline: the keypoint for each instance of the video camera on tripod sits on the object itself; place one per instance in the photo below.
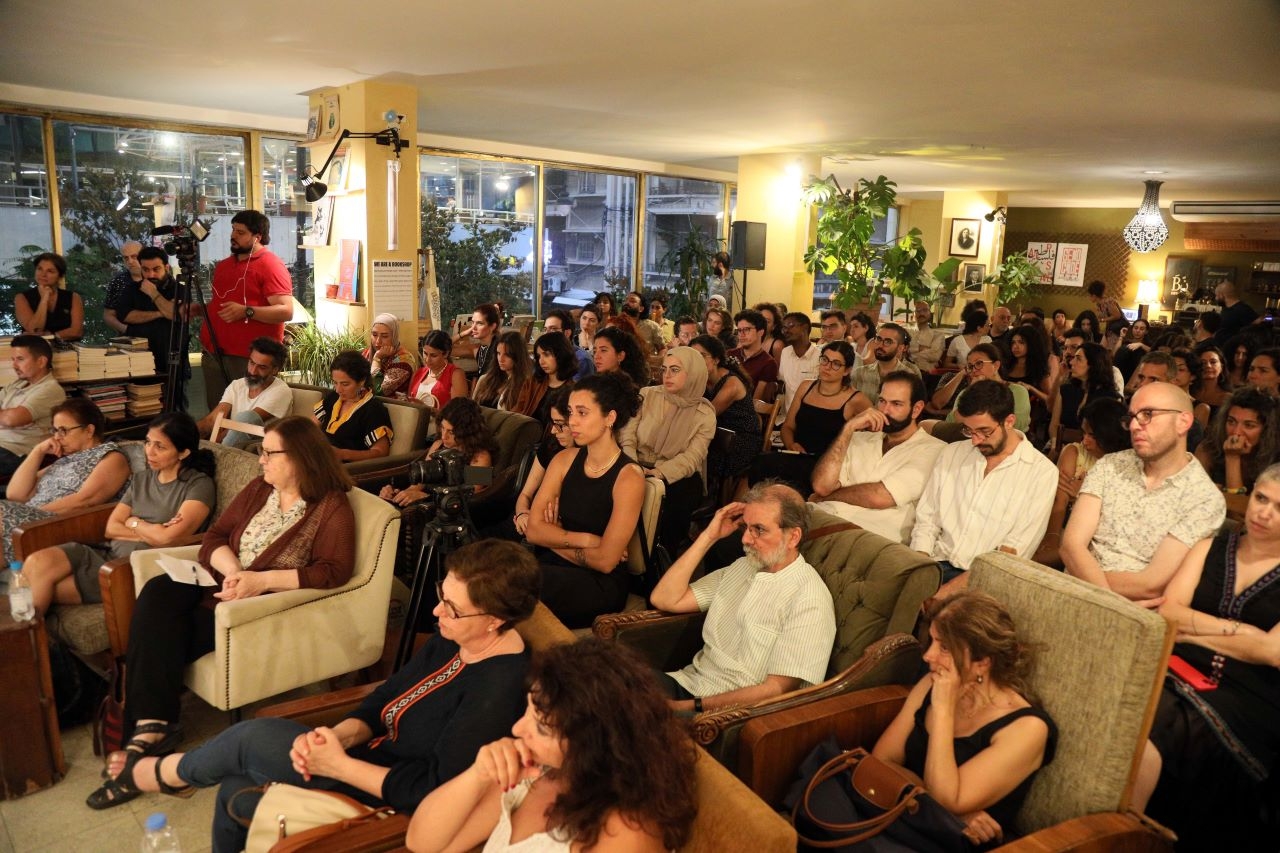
(445, 526)
(184, 243)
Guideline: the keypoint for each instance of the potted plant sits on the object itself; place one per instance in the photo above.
(312, 350)
(690, 262)
(1014, 278)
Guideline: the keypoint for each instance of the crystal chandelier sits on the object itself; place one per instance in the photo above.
(1147, 231)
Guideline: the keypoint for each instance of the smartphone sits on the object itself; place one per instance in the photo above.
(1192, 676)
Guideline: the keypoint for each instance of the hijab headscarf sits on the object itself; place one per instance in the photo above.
(695, 369)
(392, 323)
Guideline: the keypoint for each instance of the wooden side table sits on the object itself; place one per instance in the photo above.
(30, 743)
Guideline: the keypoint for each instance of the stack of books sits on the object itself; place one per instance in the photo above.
(127, 342)
(91, 361)
(141, 362)
(6, 366)
(116, 364)
(143, 400)
(110, 397)
(65, 365)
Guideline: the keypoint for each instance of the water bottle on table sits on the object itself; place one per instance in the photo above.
(21, 607)
(159, 837)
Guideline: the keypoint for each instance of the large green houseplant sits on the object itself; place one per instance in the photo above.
(312, 350)
(1014, 278)
(846, 248)
(690, 261)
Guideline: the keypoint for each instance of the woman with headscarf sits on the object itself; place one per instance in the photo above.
(391, 366)
(671, 436)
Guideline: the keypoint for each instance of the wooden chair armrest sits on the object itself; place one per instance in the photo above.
(115, 579)
(890, 660)
(668, 641)
(325, 709)
(381, 466)
(372, 837)
(772, 746)
(82, 525)
(1097, 833)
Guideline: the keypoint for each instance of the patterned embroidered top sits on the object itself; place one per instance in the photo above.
(267, 525)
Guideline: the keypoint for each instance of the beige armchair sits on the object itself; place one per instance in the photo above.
(877, 587)
(410, 423)
(273, 643)
(1100, 665)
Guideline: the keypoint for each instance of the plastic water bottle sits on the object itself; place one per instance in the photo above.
(21, 607)
(159, 837)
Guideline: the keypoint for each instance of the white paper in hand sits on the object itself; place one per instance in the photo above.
(185, 571)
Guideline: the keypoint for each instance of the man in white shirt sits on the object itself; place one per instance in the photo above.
(770, 619)
(927, 342)
(1140, 510)
(799, 360)
(993, 492)
(26, 404)
(875, 470)
(257, 397)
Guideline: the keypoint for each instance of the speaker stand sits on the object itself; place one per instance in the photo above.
(744, 291)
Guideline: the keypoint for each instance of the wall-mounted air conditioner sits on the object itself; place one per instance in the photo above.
(1225, 211)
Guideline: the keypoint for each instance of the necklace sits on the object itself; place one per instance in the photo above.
(834, 393)
(596, 472)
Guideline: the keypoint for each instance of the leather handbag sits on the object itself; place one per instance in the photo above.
(108, 722)
(289, 818)
(853, 801)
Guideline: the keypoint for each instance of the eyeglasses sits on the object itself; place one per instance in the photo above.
(983, 433)
(1143, 416)
(449, 607)
(823, 361)
(757, 530)
(745, 330)
(975, 366)
(268, 453)
(61, 432)
(888, 342)
(559, 426)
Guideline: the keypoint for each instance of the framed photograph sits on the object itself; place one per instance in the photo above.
(1068, 269)
(321, 223)
(973, 276)
(331, 122)
(337, 174)
(964, 237)
(1181, 279)
(313, 124)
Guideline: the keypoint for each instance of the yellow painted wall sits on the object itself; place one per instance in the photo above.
(769, 192)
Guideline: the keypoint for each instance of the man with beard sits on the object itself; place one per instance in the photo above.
(770, 619)
(1141, 510)
(889, 345)
(251, 296)
(875, 470)
(148, 310)
(261, 395)
(993, 492)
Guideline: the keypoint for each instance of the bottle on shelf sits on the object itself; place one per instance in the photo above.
(21, 607)
(159, 837)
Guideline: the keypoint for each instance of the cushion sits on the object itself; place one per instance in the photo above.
(408, 421)
(235, 468)
(514, 433)
(877, 585)
(1099, 660)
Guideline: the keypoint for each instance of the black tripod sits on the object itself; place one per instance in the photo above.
(440, 538)
(175, 380)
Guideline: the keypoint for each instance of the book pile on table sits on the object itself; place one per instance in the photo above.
(128, 342)
(110, 397)
(141, 362)
(91, 361)
(6, 366)
(65, 365)
(143, 400)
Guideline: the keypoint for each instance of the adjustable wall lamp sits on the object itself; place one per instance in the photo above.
(314, 188)
(999, 214)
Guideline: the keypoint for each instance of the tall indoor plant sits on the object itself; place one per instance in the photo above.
(1014, 278)
(690, 261)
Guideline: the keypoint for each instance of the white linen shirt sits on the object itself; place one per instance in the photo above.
(963, 513)
(276, 398)
(904, 470)
(794, 369)
(758, 624)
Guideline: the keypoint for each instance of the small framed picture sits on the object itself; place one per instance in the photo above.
(973, 276)
(964, 237)
(338, 171)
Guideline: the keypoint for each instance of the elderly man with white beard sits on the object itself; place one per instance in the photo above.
(770, 620)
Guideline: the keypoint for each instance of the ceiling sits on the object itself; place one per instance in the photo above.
(1054, 103)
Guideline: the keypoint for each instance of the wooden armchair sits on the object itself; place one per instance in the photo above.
(1100, 666)
(731, 814)
(877, 587)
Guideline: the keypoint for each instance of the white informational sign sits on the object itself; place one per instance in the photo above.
(1068, 270)
(393, 289)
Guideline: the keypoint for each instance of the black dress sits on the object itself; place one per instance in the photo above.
(740, 417)
(815, 430)
(59, 318)
(577, 595)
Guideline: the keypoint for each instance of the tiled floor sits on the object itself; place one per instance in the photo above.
(56, 820)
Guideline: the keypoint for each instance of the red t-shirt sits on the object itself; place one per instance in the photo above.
(244, 282)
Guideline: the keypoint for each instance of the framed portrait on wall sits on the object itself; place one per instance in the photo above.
(964, 237)
(973, 276)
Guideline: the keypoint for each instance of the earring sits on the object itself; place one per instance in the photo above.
(979, 679)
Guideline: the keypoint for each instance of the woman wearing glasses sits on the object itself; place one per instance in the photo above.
(983, 362)
(162, 506)
(417, 730)
(290, 528)
(559, 438)
(86, 471)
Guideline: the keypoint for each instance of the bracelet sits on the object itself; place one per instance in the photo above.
(518, 514)
(1235, 626)
(1240, 491)
(697, 704)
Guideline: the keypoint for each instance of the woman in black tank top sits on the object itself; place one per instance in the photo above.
(588, 505)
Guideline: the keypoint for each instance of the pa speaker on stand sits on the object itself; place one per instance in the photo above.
(746, 250)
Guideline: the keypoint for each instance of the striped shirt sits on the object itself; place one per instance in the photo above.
(963, 513)
(759, 624)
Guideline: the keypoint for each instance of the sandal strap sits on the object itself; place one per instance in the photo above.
(165, 787)
(171, 735)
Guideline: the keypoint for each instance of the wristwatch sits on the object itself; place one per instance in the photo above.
(133, 524)
(697, 704)
(248, 312)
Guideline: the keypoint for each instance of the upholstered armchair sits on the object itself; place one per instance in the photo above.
(1100, 665)
(877, 587)
(82, 626)
(410, 423)
(730, 816)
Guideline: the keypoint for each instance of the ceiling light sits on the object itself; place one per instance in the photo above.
(1147, 231)
(502, 184)
(1153, 172)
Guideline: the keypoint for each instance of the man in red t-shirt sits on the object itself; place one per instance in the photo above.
(251, 297)
(753, 357)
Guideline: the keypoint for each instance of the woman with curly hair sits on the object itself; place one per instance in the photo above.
(970, 728)
(1214, 389)
(1242, 440)
(1087, 322)
(502, 384)
(588, 324)
(615, 351)
(862, 334)
(1089, 378)
(772, 342)
(1187, 377)
(462, 428)
(577, 775)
